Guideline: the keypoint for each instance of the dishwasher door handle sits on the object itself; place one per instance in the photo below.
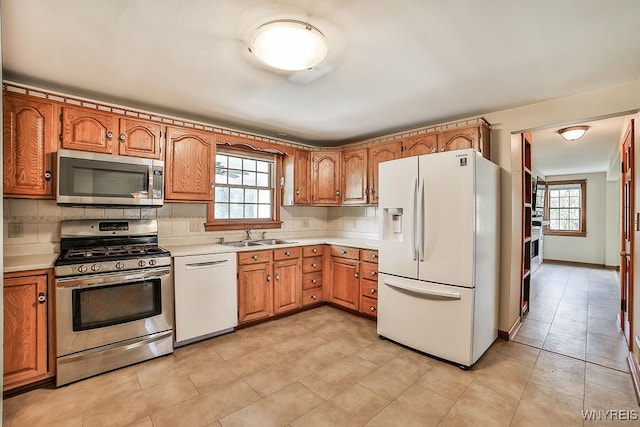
(206, 264)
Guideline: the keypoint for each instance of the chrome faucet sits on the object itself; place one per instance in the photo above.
(248, 232)
(264, 235)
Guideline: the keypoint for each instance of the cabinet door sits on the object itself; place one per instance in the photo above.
(378, 154)
(189, 160)
(140, 138)
(25, 329)
(419, 144)
(302, 177)
(255, 292)
(28, 147)
(345, 283)
(287, 285)
(89, 130)
(458, 139)
(325, 177)
(354, 177)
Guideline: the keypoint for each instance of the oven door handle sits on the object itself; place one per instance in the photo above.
(107, 279)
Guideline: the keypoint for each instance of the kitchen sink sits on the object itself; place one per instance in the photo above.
(242, 243)
(273, 242)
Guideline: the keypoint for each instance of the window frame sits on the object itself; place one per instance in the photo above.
(214, 224)
(582, 231)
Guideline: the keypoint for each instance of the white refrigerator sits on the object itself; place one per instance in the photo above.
(439, 254)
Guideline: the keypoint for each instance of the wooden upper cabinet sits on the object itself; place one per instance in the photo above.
(29, 144)
(476, 136)
(302, 177)
(378, 154)
(354, 176)
(325, 177)
(189, 165)
(418, 145)
(89, 130)
(140, 138)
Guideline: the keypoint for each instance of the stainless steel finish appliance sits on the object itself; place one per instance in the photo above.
(114, 297)
(86, 178)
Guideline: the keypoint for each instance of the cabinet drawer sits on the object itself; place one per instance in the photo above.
(255, 257)
(312, 296)
(345, 252)
(312, 264)
(370, 255)
(286, 253)
(370, 289)
(314, 250)
(369, 306)
(369, 271)
(311, 280)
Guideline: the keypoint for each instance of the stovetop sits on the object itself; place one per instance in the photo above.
(107, 253)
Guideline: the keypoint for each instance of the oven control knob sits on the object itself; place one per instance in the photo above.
(82, 269)
(152, 262)
(120, 265)
(95, 267)
(142, 263)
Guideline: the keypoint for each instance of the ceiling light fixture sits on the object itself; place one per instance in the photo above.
(289, 45)
(573, 132)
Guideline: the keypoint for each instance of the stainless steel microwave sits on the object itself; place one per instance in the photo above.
(85, 178)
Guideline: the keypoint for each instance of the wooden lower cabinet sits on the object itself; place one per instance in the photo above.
(287, 284)
(255, 290)
(369, 283)
(344, 288)
(312, 274)
(28, 328)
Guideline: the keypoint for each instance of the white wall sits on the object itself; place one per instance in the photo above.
(506, 152)
(591, 248)
(612, 224)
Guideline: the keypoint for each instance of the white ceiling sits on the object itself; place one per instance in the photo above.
(393, 65)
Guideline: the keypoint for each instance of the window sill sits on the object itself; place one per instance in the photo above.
(241, 225)
(565, 233)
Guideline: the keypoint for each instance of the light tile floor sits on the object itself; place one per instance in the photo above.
(324, 367)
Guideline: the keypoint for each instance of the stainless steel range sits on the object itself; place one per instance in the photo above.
(114, 297)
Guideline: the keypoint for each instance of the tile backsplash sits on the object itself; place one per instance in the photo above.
(33, 226)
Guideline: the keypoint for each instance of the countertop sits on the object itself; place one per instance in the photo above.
(42, 261)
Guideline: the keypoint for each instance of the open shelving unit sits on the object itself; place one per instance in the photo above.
(527, 203)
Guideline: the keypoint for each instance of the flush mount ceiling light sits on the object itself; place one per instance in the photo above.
(573, 132)
(288, 45)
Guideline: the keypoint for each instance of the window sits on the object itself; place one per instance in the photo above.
(566, 208)
(244, 191)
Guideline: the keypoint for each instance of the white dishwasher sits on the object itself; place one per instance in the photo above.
(206, 300)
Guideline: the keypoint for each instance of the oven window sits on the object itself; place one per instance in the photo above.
(115, 304)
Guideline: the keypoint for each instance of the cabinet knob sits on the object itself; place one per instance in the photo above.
(314, 250)
(255, 257)
(357, 274)
(42, 298)
(443, 149)
(121, 137)
(372, 308)
(373, 273)
(212, 186)
(313, 265)
(277, 277)
(343, 252)
(47, 175)
(434, 150)
(337, 192)
(109, 135)
(287, 253)
(297, 192)
(373, 290)
(314, 281)
(374, 256)
(314, 296)
(268, 277)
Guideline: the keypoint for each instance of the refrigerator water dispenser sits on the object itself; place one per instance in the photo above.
(392, 224)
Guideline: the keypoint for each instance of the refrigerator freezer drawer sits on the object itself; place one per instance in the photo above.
(433, 318)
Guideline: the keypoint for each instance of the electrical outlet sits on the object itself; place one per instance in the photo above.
(194, 226)
(305, 223)
(16, 230)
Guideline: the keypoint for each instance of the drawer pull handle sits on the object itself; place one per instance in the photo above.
(373, 273)
(374, 256)
(372, 308)
(255, 257)
(313, 265)
(314, 250)
(287, 253)
(313, 281)
(314, 296)
(372, 290)
(344, 252)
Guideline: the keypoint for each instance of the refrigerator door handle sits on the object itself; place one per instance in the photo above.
(440, 294)
(422, 224)
(414, 224)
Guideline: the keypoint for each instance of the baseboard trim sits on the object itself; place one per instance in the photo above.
(634, 367)
(574, 263)
(508, 335)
